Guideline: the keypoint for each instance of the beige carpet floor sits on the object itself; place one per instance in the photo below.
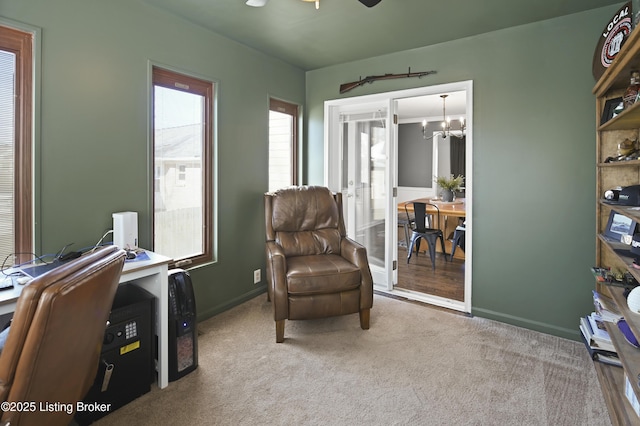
(417, 365)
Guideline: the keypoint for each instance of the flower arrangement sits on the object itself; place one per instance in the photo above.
(450, 183)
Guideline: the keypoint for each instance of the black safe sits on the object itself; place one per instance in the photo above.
(126, 368)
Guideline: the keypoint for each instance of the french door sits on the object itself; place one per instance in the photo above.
(362, 150)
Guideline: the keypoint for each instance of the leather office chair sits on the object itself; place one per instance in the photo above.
(424, 229)
(313, 269)
(53, 347)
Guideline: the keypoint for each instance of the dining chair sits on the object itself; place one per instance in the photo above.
(458, 239)
(423, 228)
(406, 223)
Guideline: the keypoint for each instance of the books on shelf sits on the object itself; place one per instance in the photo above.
(608, 359)
(596, 337)
(597, 354)
(606, 308)
(598, 330)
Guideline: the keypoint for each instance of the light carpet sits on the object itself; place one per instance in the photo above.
(416, 365)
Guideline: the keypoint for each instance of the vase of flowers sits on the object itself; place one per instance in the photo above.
(449, 185)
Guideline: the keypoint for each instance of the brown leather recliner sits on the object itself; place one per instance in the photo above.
(51, 356)
(313, 269)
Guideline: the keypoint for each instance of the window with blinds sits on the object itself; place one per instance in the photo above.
(16, 90)
(7, 137)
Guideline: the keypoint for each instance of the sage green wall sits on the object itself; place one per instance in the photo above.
(93, 152)
(534, 136)
(533, 159)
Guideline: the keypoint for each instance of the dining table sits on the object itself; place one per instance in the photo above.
(455, 209)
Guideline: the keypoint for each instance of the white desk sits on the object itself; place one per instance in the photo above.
(152, 276)
(149, 274)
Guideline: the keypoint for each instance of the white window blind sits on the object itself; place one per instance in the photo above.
(280, 156)
(7, 163)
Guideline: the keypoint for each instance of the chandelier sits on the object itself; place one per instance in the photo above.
(446, 123)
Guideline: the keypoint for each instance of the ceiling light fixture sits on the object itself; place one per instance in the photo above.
(446, 123)
(261, 3)
(256, 3)
(317, 2)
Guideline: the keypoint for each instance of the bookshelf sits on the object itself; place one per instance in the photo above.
(611, 85)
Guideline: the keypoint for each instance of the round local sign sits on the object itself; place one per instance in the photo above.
(611, 40)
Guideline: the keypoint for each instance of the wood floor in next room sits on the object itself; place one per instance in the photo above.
(447, 280)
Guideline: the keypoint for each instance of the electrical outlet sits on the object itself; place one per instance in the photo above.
(257, 276)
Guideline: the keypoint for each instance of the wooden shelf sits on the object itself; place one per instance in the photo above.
(629, 355)
(628, 163)
(612, 85)
(629, 211)
(626, 120)
(620, 410)
(633, 320)
(622, 251)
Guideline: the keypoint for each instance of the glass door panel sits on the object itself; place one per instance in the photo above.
(365, 185)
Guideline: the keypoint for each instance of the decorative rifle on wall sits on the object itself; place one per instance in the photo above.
(370, 79)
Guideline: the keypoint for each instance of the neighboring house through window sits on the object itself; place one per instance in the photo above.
(16, 106)
(182, 155)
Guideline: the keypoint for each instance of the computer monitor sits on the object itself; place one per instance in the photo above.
(618, 226)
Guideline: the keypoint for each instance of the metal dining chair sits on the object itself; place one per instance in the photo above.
(458, 239)
(422, 228)
(406, 223)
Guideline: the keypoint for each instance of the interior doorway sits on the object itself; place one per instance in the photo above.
(450, 285)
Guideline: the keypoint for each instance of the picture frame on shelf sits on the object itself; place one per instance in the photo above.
(612, 107)
(619, 226)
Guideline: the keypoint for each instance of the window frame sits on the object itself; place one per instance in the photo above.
(293, 110)
(21, 43)
(178, 80)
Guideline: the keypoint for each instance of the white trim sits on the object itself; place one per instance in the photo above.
(214, 151)
(426, 298)
(332, 161)
(36, 158)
